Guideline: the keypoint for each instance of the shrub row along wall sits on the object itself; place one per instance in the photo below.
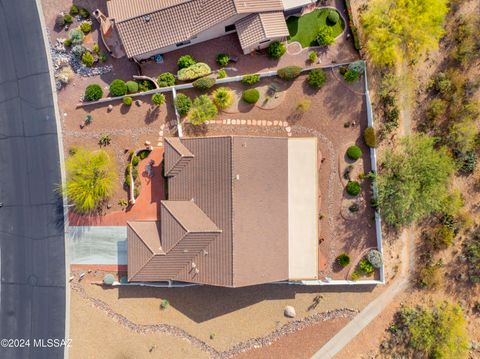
(353, 28)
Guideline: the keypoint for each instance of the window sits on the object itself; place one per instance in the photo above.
(229, 28)
(183, 43)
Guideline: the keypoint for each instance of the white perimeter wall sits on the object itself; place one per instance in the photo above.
(302, 208)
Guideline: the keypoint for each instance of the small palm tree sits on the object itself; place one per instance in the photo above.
(104, 140)
(223, 97)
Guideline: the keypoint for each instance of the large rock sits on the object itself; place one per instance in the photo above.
(289, 311)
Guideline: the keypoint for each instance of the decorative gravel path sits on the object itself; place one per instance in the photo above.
(293, 326)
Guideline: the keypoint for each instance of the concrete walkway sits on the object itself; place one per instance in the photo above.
(104, 245)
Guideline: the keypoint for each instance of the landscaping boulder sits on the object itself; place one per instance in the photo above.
(289, 311)
(109, 108)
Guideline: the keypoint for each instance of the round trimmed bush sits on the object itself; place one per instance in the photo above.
(67, 43)
(289, 72)
(276, 50)
(354, 152)
(166, 79)
(84, 13)
(158, 99)
(132, 86)
(118, 88)
(68, 19)
(74, 10)
(366, 267)
(351, 75)
(375, 258)
(325, 36)
(343, 260)
(204, 83)
(317, 78)
(353, 188)
(250, 96)
(127, 101)
(86, 27)
(185, 61)
(250, 79)
(87, 59)
(223, 59)
(78, 51)
(194, 72)
(183, 103)
(369, 137)
(93, 92)
(333, 17)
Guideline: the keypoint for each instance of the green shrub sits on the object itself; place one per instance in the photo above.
(353, 188)
(166, 79)
(369, 137)
(67, 42)
(351, 75)
(145, 85)
(437, 108)
(88, 119)
(87, 59)
(317, 78)
(158, 99)
(127, 101)
(204, 83)
(86, 27)
(222, 74)
(93, 92)
(276, 50)
(73, 10)
(84, 13)
(78, 51)
(441, 237)
(183, 103)
(358, 66)
(430, 276)
(104, 140)
(222, 97)
(68, 19)
(132, 87)
(193, 72)
(223, 59)
(250, 96)
(185, 61)
(325, 36)
(164, 305)
(118, 88)
(333, 17)
(375, 258)
(135, 161)
(144, 154)
(96, 48)
(250, 79)
(312, 56)
(343, 259)
(366, 267)
(289, 72)
(76, 36)
(355, 275)
(203, 109)
(354, 152)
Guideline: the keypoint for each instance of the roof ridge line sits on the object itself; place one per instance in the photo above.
(232, 205)
(153, 12)
(141, 239)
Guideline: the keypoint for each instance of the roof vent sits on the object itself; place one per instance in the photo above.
(197, 271)
(194, 265)
(185, 251)
(146, 18)
(237, 177)
(204, 252)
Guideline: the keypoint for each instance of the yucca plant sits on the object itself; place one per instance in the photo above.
(222, 97)
(104, 140)
(91, 177)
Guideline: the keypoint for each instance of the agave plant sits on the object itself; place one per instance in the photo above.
(104, 140)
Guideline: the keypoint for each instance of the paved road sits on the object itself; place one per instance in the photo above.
(32, 289)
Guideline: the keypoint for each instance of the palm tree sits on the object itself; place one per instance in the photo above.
(223, 97)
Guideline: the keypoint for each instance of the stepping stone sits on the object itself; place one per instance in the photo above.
(161, 133)
(288, 129)
(234, 122)
(249, 122)
(229, 121)
(269, 123)
(264, 122)
(275, 123)
(289, 134)
(207, 122)
(254, 122)
(162, 126)
(285, 123)
(159, 144)
(244, 122)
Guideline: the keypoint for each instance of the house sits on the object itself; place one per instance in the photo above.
(151, 27)
(240, 211)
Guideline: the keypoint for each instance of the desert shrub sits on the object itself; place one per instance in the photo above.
(73, 10)
(223, 97)
(431, 276)
(118, 88)
(76, 36)
(67, 43)
(351, 75)
(436, 110)
(91, 178)
(317, 78)
(333, 17)
(325, 36)
(303, 105)
(463, 135)
(88, 119)
(166, 79)
(276, 50)
(250, 96)
(223, 59)
(108, 279)
(87, 59)
(203, 109)
(84, 13)
(222, 74)
(65, 75)
(104, 140)
(158, 99)
(466, 162)
(93, 92)
(366, 267)
(375, 258)
(343, 259)
(353, 188)
(250, 79)
(354, 152)
(60, 20)
(289, 72)
(67, 19)
(442, 83)
(127, 101)
(145, 85)
(357, 66)
(78, 51)
(369, 137)
(135, 160)
(96, 48)
(165, 303)
(183, 103)
(441, 237)
(471, 251)
(185, 61)
(312, 56)
(355, 275)
(132, 87)
(86, 27)
(204, 83)
(193, 72)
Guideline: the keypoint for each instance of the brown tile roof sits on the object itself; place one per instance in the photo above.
(176, 157)
(147, 25)
(238, 185)
(259, 27)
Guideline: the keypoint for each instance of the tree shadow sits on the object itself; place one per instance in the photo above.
(152, 114)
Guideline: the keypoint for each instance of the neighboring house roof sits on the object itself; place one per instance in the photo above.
(256, 28)
(147, 25)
